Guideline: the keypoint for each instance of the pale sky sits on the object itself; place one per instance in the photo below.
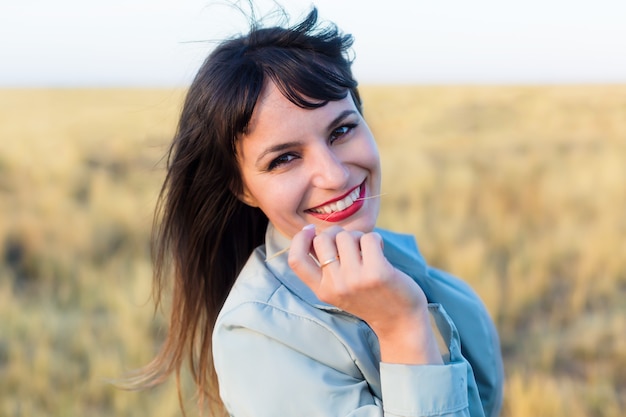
(156, 42)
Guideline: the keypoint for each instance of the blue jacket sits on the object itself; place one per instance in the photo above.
(279, 351)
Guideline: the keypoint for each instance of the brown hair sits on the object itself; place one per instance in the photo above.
(201, 228)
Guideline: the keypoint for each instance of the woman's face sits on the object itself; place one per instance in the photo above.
(310, 166)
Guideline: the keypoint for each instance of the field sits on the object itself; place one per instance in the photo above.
(519, 190)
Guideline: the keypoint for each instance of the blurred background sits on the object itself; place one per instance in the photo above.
(502, 129)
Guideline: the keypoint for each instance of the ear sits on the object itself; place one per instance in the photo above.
(247, 198)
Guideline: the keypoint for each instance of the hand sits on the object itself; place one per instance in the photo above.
(362, 282)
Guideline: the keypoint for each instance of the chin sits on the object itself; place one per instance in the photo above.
(361, 225)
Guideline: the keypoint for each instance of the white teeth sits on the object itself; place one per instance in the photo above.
(341, 204)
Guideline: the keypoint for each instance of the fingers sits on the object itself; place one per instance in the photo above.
(300, 259)
(335, 250)
(372, 247)
(349, 249)
(324, 245)
(374, 258)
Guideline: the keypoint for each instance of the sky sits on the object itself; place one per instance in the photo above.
(151, 43)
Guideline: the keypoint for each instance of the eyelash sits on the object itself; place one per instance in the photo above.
(290, 156)
(276, 162)
(348, 128)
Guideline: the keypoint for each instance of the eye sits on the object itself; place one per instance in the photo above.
(341, 131)
(281, 160)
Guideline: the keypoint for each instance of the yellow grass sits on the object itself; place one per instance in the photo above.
(519, 190)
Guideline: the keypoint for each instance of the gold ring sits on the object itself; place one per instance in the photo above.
(329, 261)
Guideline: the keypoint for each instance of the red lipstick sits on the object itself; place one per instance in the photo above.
(338, 216)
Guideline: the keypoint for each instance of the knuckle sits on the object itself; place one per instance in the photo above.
(331, 231)
(322, 238)
(370, 238)
(346, 237)
(343, 236)
(320, 241)
(294, 262)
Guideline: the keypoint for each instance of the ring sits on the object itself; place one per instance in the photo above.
(329, 261)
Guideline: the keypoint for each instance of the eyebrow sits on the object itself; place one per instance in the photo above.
(340, 118)
(288, 145)
(276, 148)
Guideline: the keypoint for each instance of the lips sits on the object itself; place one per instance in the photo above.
(338, 205)
(341, 207)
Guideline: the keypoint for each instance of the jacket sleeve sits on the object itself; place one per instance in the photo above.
(477, 333)
(271, 362)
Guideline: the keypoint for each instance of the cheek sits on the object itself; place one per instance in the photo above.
(371, 156)
(277, 195)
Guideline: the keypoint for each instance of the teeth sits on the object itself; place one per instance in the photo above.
(339, 205)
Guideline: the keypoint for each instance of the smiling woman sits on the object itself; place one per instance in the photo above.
(272, 152)
(303, 166)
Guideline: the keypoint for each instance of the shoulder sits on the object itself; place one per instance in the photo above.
(443, 282)
(258, 293)
(403, 252)
(458, 298)
(255, 282)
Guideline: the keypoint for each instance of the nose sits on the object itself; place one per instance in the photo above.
(329, 171)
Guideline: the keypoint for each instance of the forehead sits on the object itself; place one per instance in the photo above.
(270, 99)
(275, 120)
(274, 109)
(272, 102)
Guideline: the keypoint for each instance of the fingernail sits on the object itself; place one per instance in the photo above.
(309, 227)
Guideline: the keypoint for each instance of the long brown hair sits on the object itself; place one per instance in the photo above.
(202, 230)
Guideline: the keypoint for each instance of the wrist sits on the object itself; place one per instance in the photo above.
(409, 340)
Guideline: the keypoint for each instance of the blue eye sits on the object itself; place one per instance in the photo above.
(282, 159)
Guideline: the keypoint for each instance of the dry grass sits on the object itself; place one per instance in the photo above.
(519, 190)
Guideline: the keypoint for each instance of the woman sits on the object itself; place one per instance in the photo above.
(284, 291)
